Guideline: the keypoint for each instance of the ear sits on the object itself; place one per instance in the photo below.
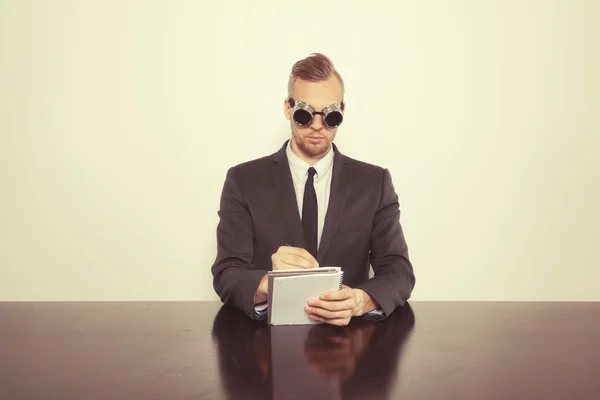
(287, 110)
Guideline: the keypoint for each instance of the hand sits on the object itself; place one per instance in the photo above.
(339, 306)
(286, 257)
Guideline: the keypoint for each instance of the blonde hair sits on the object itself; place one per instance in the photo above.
(314, 68)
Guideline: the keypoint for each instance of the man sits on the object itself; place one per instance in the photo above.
(307, 206)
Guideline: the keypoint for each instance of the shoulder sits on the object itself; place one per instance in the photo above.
(252, 170)
(364, 168)
(254, 165)
(368, 176)
(262, 163)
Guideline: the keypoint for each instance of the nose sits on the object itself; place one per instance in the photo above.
(317, 122)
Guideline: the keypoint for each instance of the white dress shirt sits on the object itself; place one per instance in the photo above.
(322, 183)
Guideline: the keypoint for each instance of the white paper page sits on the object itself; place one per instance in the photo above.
(290, 295)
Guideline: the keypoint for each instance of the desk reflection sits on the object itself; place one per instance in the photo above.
(258, 361)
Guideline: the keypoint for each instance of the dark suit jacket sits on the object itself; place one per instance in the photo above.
(259, 213)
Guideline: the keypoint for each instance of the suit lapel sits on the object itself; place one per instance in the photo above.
(340, 183)
(284, 186)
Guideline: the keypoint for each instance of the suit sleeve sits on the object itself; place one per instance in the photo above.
(393, 278)
(234, 277)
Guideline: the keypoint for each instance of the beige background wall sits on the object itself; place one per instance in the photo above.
(119, 119)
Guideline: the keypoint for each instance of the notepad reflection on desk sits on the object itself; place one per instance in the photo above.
(290, 289)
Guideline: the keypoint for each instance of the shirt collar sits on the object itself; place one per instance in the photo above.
(300, 167)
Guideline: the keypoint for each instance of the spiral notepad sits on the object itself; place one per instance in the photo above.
(289, 290)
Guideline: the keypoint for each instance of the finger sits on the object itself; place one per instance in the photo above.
(287, 261)
(296, 261)
(338, 295)
(299, 252)
(339, 305)
(335, 321)
(328, 314)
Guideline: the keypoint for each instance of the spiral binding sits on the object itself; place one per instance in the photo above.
(341, 279)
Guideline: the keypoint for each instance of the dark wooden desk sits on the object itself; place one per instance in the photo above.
(183, 351)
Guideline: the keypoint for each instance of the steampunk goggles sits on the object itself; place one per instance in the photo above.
(303, 113)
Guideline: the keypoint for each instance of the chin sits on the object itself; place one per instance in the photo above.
(315, 149)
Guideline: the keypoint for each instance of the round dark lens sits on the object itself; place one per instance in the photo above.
(334, 119)
(302, 117)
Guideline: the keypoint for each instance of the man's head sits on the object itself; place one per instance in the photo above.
(314, 82)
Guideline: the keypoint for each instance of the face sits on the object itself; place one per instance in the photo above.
(312, 142)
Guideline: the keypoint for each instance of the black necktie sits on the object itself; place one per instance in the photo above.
(309, 214)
